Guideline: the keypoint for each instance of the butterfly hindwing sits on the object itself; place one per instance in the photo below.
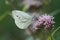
(22, 19)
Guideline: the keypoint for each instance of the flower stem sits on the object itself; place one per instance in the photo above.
(24, 8)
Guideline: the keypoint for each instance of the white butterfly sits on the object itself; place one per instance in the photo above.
(22, 19)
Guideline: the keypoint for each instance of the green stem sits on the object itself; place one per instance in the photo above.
(51, 36)
(24, 8)
(55, 31)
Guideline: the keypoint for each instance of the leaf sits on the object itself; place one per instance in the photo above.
(3, 16)
(55, 12)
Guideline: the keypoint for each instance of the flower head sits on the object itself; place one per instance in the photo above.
(44, 21)
(29, 3)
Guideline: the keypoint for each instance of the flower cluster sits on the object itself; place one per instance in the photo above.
(29, 3)
(45, 22)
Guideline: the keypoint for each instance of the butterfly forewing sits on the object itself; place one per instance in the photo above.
(22, 19)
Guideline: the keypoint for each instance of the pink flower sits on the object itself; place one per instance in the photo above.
(29, 3)
(44, 21)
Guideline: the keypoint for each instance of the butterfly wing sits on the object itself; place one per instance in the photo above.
(22, 19)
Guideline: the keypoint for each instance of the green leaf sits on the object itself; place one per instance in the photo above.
(3, 16)
(55, 12)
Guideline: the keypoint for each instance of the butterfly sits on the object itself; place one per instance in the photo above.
(22, 19)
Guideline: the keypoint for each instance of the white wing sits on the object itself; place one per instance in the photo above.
(22, 19)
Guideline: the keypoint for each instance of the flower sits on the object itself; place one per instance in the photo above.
(44, 21)
(30, 3)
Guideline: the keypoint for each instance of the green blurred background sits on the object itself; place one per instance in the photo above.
(8, 29)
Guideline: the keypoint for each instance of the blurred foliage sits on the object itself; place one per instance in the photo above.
(8, 29)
